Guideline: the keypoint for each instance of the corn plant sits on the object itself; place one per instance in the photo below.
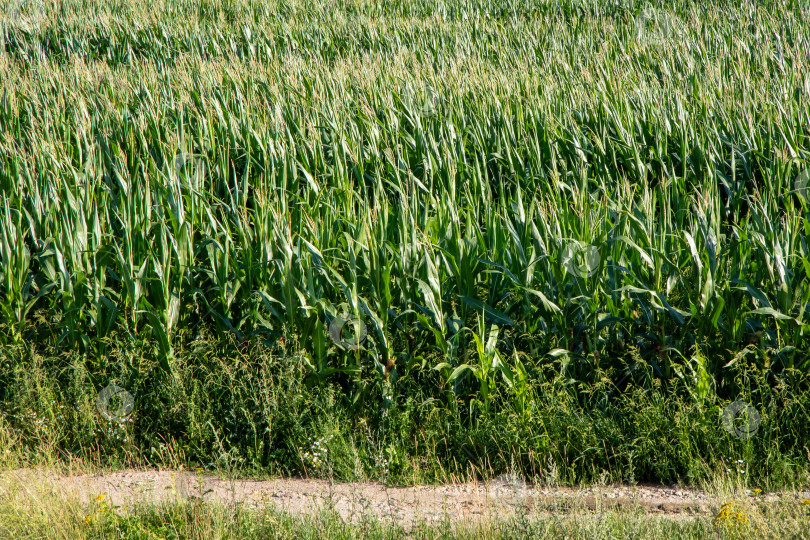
(589, 200)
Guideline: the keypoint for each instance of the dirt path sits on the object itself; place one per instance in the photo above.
(408, 505)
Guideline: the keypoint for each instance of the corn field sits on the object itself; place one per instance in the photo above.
(591, 185)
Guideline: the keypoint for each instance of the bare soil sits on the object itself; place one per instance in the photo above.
(464, 502)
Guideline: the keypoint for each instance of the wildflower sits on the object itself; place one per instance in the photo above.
(730, 516)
